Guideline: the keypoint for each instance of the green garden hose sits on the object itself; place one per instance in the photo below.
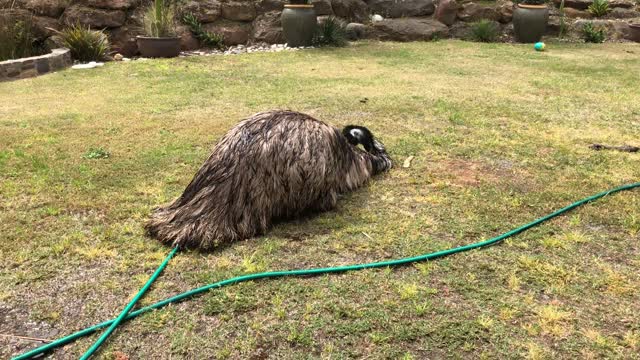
(129, 306)
(274, 274)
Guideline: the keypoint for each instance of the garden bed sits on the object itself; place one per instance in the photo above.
(36, 65)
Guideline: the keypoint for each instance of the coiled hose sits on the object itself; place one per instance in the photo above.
(126, 315)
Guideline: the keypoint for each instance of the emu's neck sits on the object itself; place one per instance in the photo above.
(380, 160)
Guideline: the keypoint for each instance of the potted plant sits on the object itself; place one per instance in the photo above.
(159, 26)
(634, 32)
(530, 20)
(299, 23)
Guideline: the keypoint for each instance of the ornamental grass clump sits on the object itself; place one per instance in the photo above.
(17, 39)
(85, 44)
(159, 20)
(332, 32)
(484, 31)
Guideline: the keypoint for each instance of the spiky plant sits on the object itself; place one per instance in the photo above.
(207, 38)
(159, 20)
(563, 23)
(85, 44)
(599, 8)
(332, 32)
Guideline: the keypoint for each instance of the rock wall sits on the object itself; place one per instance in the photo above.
(33, 66)
(253, 21)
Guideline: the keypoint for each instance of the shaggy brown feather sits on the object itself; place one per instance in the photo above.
(273, 165)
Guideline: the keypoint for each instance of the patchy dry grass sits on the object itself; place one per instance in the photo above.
(499, 133)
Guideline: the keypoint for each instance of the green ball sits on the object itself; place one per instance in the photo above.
(539, 46)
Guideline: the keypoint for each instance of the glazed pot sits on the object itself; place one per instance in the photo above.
(154, 47)
(299, 24)
(634, 32)
(530, 22)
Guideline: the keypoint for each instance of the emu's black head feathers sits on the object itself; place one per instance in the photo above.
(359, 135)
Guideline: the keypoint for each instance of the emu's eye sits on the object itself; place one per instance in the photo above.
(356, 133)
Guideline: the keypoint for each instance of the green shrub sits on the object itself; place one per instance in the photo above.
(159, 20)
(207, 38)
(484, 31)
(16, 36)
(593, 34)
(85, 44)
(599, 8)
(332, 32)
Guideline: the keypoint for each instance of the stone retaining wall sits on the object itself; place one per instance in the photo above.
(57, 59)
(255, 21)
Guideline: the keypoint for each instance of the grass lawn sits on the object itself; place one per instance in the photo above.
(500, 136)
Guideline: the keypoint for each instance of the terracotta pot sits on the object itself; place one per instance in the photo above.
(299, 24)
(634, 32)
(530, 22)
(154, 47)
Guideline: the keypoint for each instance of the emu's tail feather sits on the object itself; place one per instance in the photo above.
(174, 227)
(162, 228)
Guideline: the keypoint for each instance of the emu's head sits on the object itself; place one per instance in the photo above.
(361, 135)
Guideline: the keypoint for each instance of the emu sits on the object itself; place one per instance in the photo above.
(273, 165)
